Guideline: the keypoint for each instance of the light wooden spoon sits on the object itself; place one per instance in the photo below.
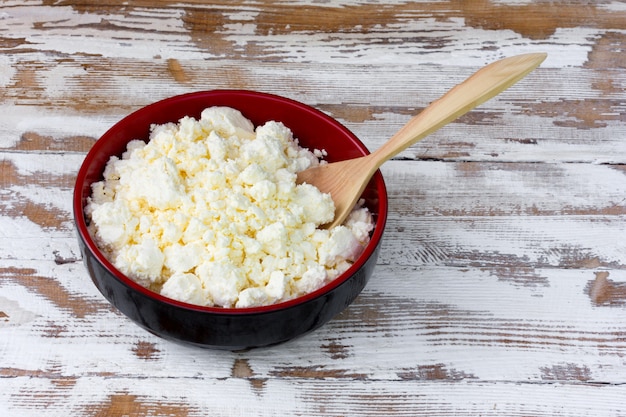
(346, 180)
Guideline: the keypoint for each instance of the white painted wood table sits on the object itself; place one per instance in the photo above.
(501, 284)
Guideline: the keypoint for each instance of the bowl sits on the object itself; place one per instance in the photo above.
(215, 327)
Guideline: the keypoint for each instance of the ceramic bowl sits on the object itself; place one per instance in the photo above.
(228, 328)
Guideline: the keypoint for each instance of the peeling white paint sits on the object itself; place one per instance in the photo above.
(13, 314)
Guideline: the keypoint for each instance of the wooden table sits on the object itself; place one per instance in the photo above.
(501, 285)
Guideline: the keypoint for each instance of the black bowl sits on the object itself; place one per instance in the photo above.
(215, 327)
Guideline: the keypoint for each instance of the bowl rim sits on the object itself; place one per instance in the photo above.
(79, 202)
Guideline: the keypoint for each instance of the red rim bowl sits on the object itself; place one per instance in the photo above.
(228, 328)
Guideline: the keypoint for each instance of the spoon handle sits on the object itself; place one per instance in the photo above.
(480, 87)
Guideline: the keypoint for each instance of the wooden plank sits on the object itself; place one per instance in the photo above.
(297, 397)
(461, 214)
(543, 118)
(471, 323)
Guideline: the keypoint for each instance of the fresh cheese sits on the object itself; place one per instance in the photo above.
(208, 212)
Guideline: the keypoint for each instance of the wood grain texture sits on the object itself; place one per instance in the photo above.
(501, 284)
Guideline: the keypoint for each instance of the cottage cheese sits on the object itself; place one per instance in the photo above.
(208, 212)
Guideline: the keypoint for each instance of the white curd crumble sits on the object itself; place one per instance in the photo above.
(208, 212)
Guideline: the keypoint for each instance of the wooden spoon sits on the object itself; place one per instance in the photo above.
(346, 180)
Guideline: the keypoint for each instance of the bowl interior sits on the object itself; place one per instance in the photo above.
(311, 127)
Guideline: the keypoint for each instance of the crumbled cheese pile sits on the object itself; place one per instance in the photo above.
(208, 212)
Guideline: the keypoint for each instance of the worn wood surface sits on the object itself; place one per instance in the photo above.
(501, 285)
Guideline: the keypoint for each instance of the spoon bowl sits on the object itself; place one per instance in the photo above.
(346, 180)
